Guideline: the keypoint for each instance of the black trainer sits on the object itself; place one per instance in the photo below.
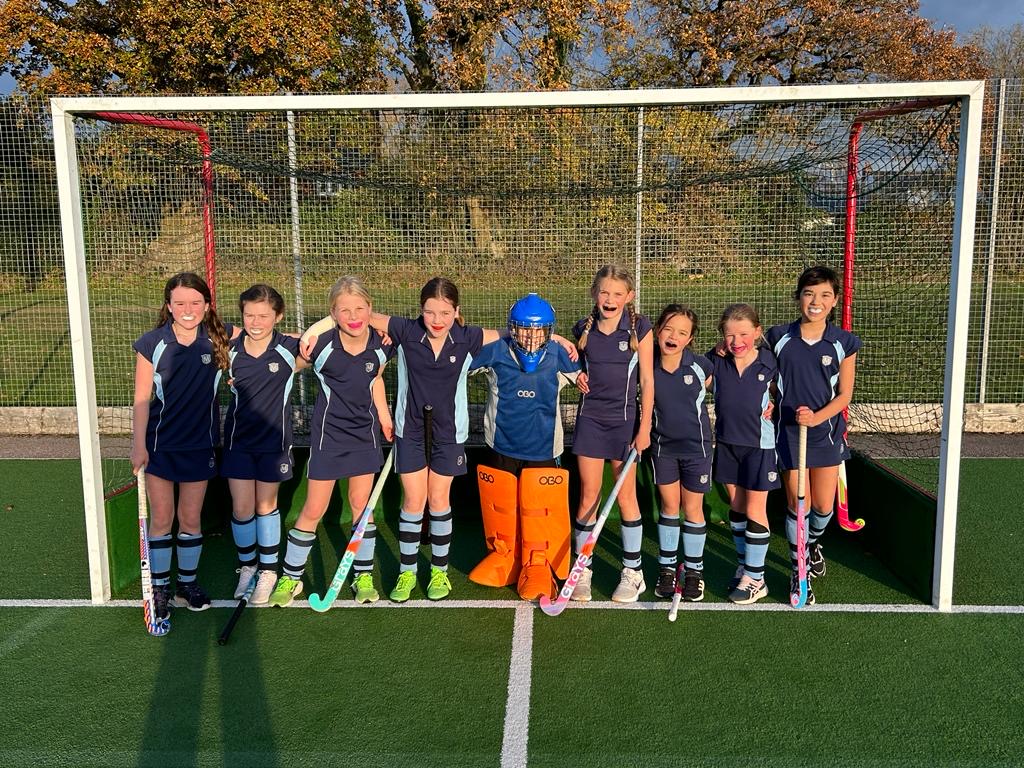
(815, 561)
(794, 587)
(162, 601)
(190, 595)
(693, 586)
(666, 585)
(736, 578)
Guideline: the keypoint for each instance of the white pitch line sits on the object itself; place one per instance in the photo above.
(599, 606)
(515, 738)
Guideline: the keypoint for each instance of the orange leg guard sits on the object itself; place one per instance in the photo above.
(498, 496)
(544, 531)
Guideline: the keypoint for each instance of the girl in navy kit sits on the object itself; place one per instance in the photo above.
(817, 366)
(349, 416)
(744, 458)
(258, 435)
(680, 449)
(178, 366)
(617, 350)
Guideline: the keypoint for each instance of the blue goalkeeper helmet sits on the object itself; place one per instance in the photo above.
(530, 321)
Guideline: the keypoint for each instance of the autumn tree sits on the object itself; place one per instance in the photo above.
(1002, 50)
(783, 42)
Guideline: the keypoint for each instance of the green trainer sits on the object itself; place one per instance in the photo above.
(362, 586)
(285, 591)
(403, 589)
(439, 586)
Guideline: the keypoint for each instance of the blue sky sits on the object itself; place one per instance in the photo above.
(965, 16)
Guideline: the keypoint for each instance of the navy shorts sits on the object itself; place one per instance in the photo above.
(247, 465)
(824, 449)
(693, 471)
(332, 464)
(182, 466)
(445, 458)
(603, 441)
(754, 469)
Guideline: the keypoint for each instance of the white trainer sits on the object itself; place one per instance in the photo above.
(631, 586)
(581, 592)
(265, 583)
(245, 574)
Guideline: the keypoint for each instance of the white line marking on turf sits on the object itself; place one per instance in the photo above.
(517, 707)
(33, 627)
(601, 605)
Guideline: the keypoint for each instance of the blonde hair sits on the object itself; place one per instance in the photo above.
(739, 312)
(611, 272)
(349, 285)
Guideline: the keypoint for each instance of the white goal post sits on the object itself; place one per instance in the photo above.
(966, 96)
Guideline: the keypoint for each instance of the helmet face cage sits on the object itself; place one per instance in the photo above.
(530, 322)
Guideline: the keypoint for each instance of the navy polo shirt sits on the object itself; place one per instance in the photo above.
(183, 414)
(681, 427)
(439, 382)
(809, 373)
(345, 416)
(612, 374)
(740, 400)
(522, 419)
(259, 418)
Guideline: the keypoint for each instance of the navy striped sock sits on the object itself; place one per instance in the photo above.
(694, 537)
(408, 540)
(738, 524)
(364, 555)
(244, 533)
(580, 532)
(300, 543)
(757, 549)
(817, 524)
(632, 542)
(160, 558)
(190, 547)
(268, 536)
(668, 539)
(440, 537)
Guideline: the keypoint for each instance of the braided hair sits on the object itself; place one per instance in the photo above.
(623, 275)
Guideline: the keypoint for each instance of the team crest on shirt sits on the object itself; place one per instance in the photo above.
(760, 377)
(623, 346)
(688, 379)
(451, 359)
(369, 367)
(703, 479)
(773, 476)
(826, 359)
(284, 469)
(206, 358)
(273, 367)
(213, 463)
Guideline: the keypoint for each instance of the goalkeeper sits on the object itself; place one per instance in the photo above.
(524, 492)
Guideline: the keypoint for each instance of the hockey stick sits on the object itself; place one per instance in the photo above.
(323, 604)
(428, 446)
(843, 499)
(237, 613)
(155, 627)
(556, 606)
(799, 599)
(677, 593)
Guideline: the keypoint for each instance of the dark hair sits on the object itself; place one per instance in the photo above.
(214, 327)
(261, 292)
(671, 311)
(817, 275)
(444, 289)
(740, 312)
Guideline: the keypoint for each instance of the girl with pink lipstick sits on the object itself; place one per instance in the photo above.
(258, 436)
(744, 460)
(350, 414)
(617, 349)
(817, 367)
(178, 366)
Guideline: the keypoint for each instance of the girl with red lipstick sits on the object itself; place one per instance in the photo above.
(744, 460)
(617, 347)
(350, 414)
(817, 367)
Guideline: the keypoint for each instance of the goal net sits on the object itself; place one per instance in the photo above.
(709, 197)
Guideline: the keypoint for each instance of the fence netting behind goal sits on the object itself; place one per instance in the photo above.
(707, 205)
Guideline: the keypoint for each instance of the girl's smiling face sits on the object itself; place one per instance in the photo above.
(741, 337)
(817, 301)
(187, 307)
(259, 319)
(439, 316)
(352, 314)
(675, 335)
(611, 297)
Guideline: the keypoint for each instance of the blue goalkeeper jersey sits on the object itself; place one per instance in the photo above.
(522, 419)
